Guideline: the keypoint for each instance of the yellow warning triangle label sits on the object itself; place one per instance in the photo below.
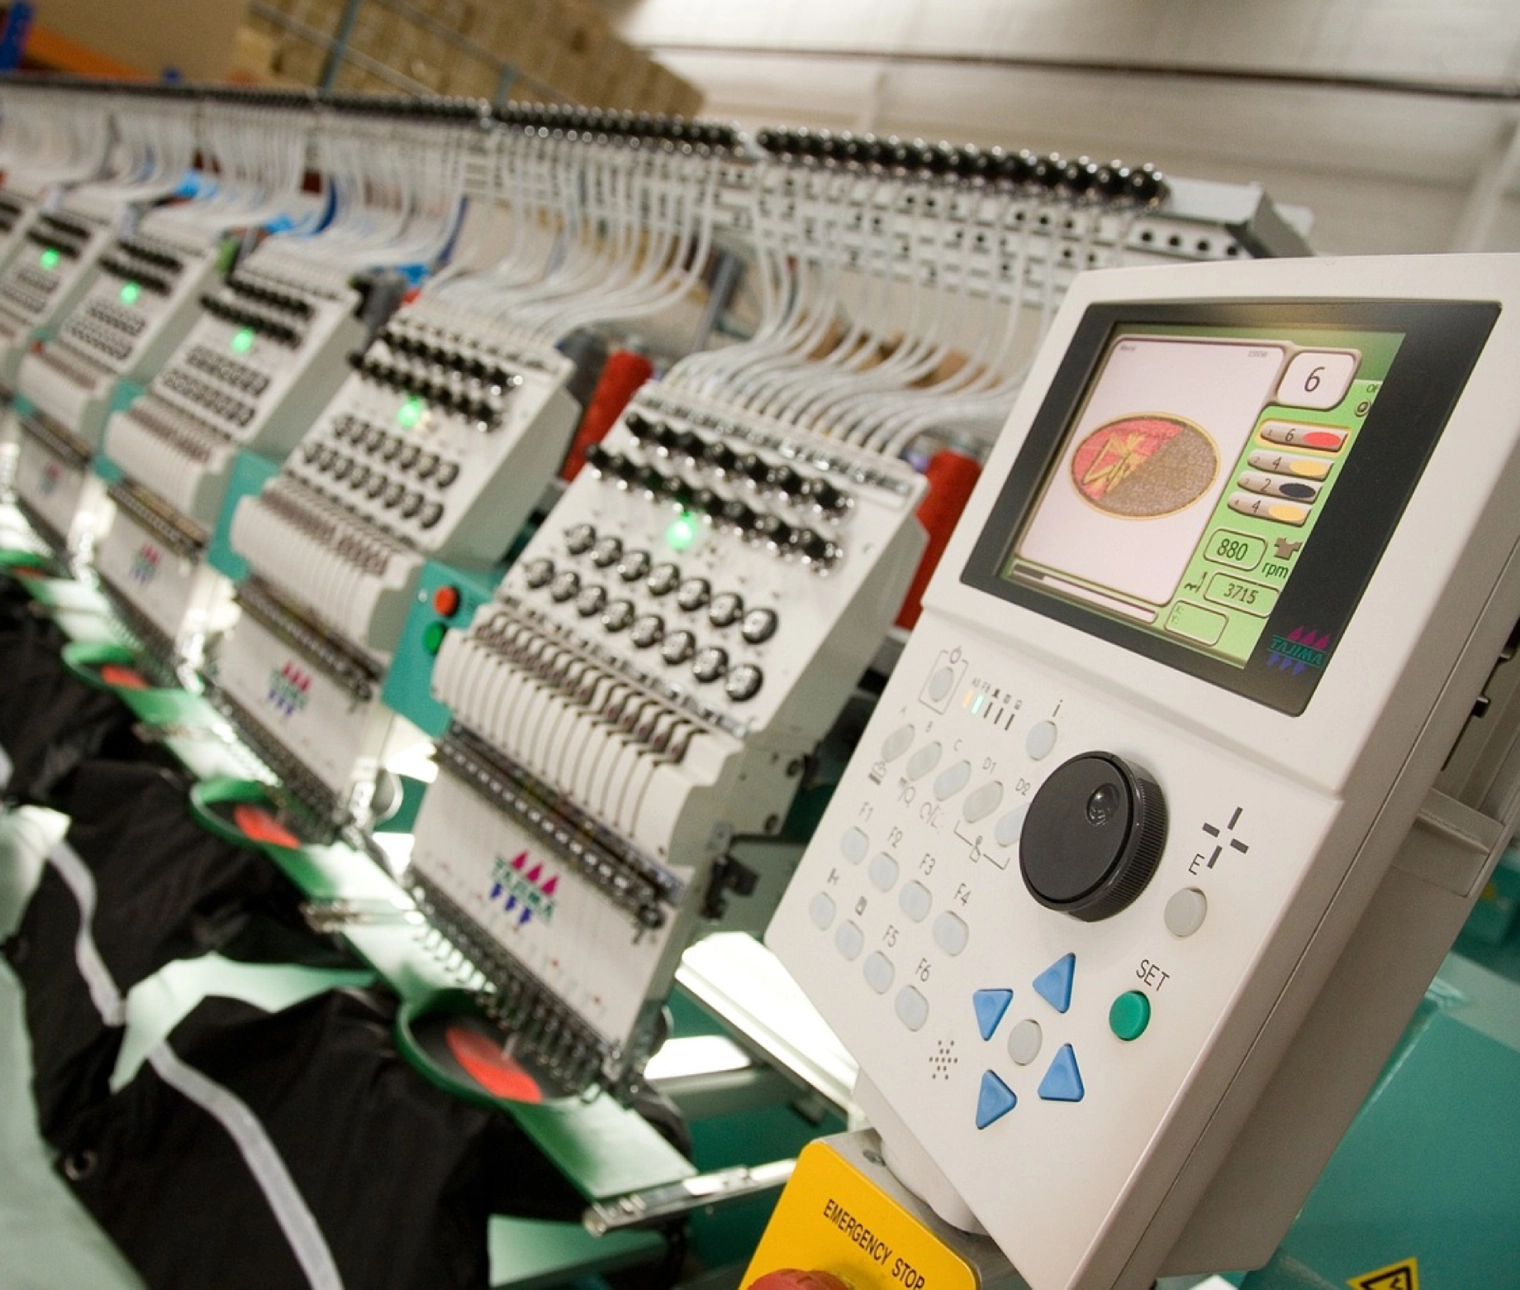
(1404, 1275)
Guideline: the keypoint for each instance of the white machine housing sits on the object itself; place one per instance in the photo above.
(414, 458)
(1300, 850)
(134, 312)
(646, 685)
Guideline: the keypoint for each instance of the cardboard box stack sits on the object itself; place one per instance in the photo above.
(528, 50)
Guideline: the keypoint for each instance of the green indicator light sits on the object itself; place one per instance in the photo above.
(129, 293)
(242, 340)
(410, 413)
(432, 637)
(50, 258)
(682, 532)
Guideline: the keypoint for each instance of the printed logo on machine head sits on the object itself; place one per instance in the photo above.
(522, 888)
(145, 563)
(51, 474)
(1302, 647)
(289, 689)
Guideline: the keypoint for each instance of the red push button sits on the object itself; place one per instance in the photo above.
(446, 601)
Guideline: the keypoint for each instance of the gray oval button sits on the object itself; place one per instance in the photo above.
(897, 743)
(1185, 911)
(883, 871)
(950, 933)
(940, 683)
(924, 760)
(952, 779)
(879, 972)
(912, 1008)
(916, 901)
(854, 845)
(1024, 1042)
(849, 940)
(983, 802)
(1009, 826)
(821, 911)
(1040, 739)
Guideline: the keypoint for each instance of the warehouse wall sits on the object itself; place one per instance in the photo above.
(1383, 169)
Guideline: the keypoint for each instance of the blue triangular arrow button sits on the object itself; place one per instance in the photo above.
(994, 1101)
(990, 1006)
(1054, 983)
(1063, 1081)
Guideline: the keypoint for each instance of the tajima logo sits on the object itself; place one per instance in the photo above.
(523, 890)
(1300, 648)
(145, 563)
(51, 474)
(289, 689)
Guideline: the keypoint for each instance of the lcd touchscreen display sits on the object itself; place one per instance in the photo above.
(1214, 490)
(1190, 482)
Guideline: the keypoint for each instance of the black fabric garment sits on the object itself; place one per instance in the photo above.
(50, 721)
(165, 889)
(400, 1177)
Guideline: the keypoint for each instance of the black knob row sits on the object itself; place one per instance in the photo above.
(780, 477)
(1080, 179)
(476, 367)
(260, 324)
(598, 123)
(150, 255)
(119, 268)
(270, 297)
(435, 389)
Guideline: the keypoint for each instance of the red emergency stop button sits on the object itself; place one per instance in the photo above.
(446, 601)
(797, 1279)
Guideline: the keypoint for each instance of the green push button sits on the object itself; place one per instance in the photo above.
(432, 637)
(1130, 1015)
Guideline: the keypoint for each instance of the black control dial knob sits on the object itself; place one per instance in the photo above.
(1092, 836)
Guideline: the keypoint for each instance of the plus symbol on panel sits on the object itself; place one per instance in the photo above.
(1225, 838)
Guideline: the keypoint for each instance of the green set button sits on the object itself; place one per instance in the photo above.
(1129, 1015)
(432, 637)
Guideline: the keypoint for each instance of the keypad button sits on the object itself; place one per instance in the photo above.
(579, 539)
(663, 579)
(1009, 826)
(951, 933)
(678, 647)
(1040, 739)
(591, 600)
(1055, 982)
(710, 663)
(897, 743)
(821, 911)
(1185, 911)
(618, 615)
(911, 1007)
(1063, 1081)
(1024, 1041)
(692, 594)
(759, 625)
(448, 472)
(647, 631)
(940, 683)
(849, 940)
(982, 802)
(726, 609)
(411, 504)
(994, 1099)
(565, 585)
(879, 972)
(883, 871)
(1129, 1015)
(952, 779)
(606, 552)
(427, 464)
(924, 760)
(431, 513)
(915, 901)
(743, 682)
(854, 845)
(633, 566)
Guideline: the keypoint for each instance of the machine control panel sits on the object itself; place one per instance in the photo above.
(1084, 843)
(261, 360)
